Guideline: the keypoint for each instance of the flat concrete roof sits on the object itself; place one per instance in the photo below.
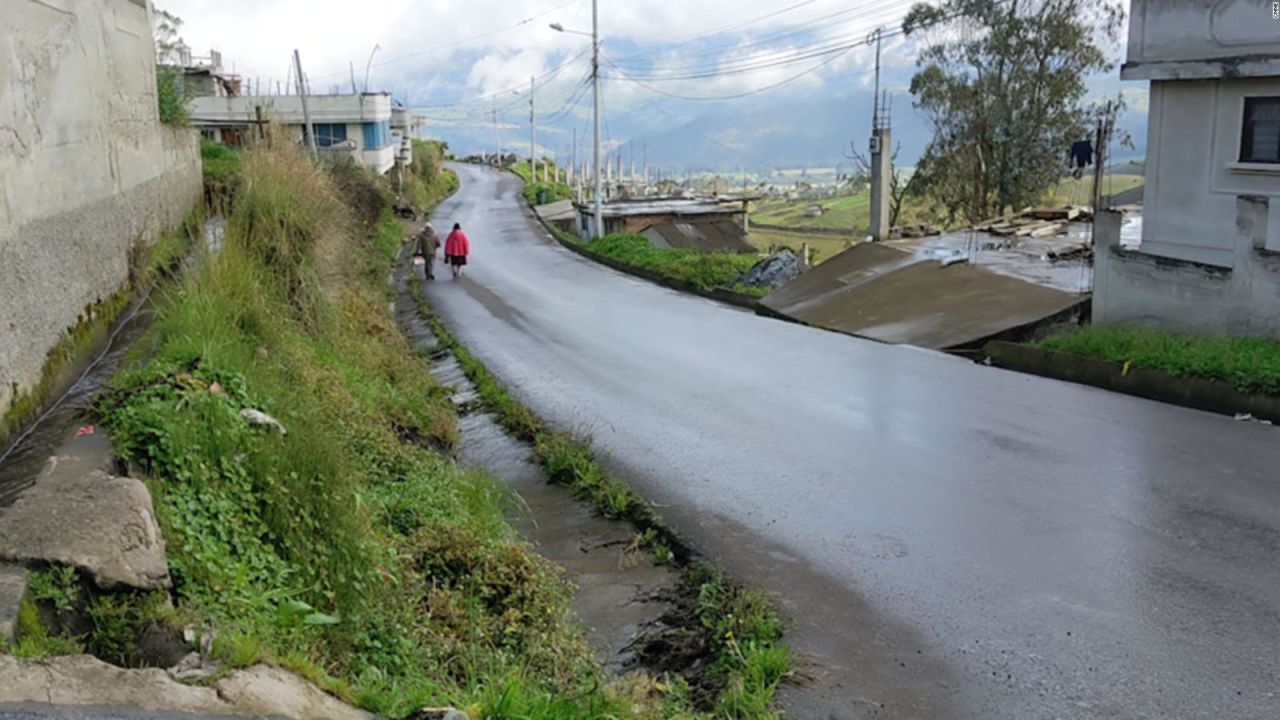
(882, 293)
(660, 206)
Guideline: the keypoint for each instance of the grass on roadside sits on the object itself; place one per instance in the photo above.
(351, 549)
(737, 628)
(706, 271)
(1250, 364)
(554, 191)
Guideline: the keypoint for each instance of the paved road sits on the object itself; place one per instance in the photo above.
(951, 540)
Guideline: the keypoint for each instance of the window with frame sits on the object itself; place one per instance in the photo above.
(330, 134)
(1260, 136)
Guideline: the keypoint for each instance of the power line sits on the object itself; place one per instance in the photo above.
(849, 14)
(690, 38)
(735, 96)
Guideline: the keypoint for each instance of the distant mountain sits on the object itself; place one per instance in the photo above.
(813, 132)
(758, 135)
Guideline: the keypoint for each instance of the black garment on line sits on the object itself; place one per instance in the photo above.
(1082, 153)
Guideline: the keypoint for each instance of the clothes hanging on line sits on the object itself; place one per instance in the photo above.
(1082, 153)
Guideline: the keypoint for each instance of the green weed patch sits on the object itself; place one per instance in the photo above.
(706, 271)
(347, 548)
(1251, 365)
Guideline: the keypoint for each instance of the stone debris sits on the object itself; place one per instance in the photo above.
(774, 271)
(259, 691)
(99, 523)
(259, 418)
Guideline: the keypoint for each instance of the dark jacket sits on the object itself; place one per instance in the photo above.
(427, 242)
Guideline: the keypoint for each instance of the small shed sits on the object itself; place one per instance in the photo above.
(634, 216)
(703, 235)
(562, 214)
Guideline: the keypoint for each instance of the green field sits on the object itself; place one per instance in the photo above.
(1077, 192)
(822, 247)
(853, 212)
(842, 213)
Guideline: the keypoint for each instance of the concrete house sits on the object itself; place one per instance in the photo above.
(1209, 257)
(355, 125)
(636, 216)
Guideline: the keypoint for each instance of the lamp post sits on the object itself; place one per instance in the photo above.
(595, 82)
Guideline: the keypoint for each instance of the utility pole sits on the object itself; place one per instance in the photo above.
(497, 135)
(533, 135)
(595, 82)
(1102, 138)
(306, 113)
(881, 158)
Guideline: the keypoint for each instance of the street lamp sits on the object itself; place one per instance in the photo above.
(595, 83)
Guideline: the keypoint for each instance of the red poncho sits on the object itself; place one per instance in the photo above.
(457, 244)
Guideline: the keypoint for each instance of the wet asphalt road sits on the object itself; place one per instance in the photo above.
(951, 540)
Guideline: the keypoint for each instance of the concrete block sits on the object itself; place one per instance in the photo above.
(13, 587)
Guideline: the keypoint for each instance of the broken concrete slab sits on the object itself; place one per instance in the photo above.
(99, 523)
(13, 586)
(259, 691)
(881, 293)
(269, 690)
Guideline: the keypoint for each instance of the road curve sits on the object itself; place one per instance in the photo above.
(950, 540)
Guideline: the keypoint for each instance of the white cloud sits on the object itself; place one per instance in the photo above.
(258, 36)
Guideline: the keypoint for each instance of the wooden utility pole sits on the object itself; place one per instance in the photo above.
(306, 113)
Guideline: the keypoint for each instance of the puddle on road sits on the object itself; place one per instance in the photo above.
(620, 593)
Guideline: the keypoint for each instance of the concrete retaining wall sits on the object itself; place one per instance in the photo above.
(1200, 393)
(89, 177)
(1134, 286)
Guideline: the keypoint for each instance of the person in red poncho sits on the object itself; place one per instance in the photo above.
(456, 249)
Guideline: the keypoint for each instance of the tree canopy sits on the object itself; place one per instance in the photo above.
(1003, 83)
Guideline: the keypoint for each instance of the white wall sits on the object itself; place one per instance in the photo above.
(288, 108)
(1187, 30)
(1193, 173)
(88, 175)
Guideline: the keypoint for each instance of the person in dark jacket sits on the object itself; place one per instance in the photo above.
(427, 244)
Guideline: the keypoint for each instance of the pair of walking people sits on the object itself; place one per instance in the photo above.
(456, 249)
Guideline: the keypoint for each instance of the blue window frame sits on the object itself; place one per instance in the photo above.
(330, 134)
(377, 135)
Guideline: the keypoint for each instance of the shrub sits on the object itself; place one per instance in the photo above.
(171, 97)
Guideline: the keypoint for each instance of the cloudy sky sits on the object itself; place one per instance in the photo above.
(458, 61)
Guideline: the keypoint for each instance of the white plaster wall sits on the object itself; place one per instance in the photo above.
(88, 174)
(288, 108)
(1183, 30)
(1193, 173)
